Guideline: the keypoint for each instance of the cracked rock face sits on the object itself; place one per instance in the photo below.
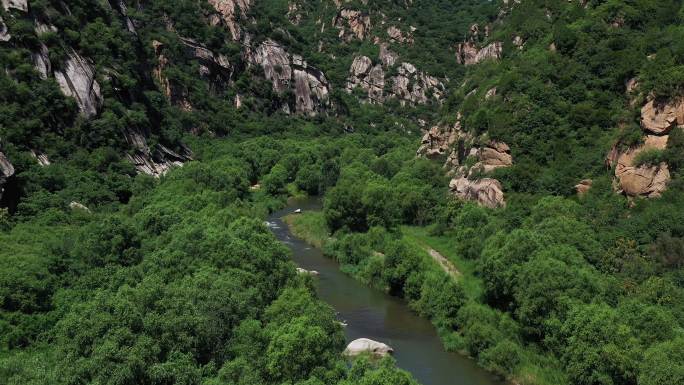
(409, 85)
(457, 145)
(6, 172)
(397, 36)
(154, 162)
(77, 79)
(645, 180)
(486, 191)
(41, 61)
(468, 53)
(229, 11)
(660, 117)
(438, 141)
(494, 155)
(4, 32)
(21, 5)
(285, 71)
(352, 24)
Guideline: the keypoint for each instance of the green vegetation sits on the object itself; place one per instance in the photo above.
(175, 280)
(309, 226)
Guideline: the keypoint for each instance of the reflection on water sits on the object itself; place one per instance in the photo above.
(373, 314)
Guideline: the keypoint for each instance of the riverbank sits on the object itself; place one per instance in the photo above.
(488, 336)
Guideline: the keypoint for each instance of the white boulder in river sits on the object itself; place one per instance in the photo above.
(365, 345)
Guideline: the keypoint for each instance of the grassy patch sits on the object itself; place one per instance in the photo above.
(444, 245)
(309, 226)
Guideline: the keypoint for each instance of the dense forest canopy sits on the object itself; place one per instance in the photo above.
(142, 143)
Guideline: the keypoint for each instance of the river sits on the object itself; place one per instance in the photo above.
(373, 314)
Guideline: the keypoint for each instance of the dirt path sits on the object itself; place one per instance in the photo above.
(446, 265)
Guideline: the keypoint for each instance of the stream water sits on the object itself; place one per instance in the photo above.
(373, 314)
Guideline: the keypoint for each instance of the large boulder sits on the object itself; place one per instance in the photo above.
(365, 345)
(659, 117)
(642, 180)
(77, 79)
(486, 191)
(494, 155)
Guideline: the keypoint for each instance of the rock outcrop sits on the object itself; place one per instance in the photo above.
(659, 117)
(4, 32)
(485, 191)
(468, 53)
(583, 186)
(41, 61)
(370, 78)
(21, 5)
(229, 11)
(352, 24)
(6, 172)
(642, 180)
(452, 143)
(365, 345)
(309, 85)
(397, 36)
(439, 140)
(410, 86)
(77, 79)
(493, 155)
(153, 161)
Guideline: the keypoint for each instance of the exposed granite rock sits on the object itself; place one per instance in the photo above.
(293, 13)
(352, 24)
(310, 86)
(494, 155)
(486, 191)
(155, 162)
(396, 36)
(583, 186)
(490, 93)
(123, 9)
(518, 41)
(416, 87)
(439, 140)
(369, 78)
(211, 64)
(229, 11)
(285, 71)
(645, 180)
(457, 146)
(41, 158)
(468, 53)
(77, 79)
(387, 57)
(409, 85)
(41, 61)
(4, 32)
(659, 117)
(6, 172)
(21, 5)
(365, 345)
(78, 206)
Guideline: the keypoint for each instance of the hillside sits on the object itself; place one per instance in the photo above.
(142, 143)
